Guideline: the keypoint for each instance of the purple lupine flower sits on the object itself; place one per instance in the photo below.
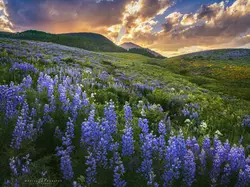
(218, 160)
(63, 97)
(25, 67)
(90, 130)
(175, 152)
(203, 162)
(227, 172)
(119, 171)
(65, 164)
(127, 142)
(236, 158)
(25, 167)
(103, 75)
(91, 170)
(10, 98)
(52, 103)
(19, 166)
(191, 111)
(193, 145)
(161, 146)
(242, 180)
(206, 143)
(162, 128)
(110, 116)
(85, 99)
(147, 156)
(46, 109)
(69, 135)
(64, 153)
(246, 121)
(27, 82)
(13, 166)
(75, 105)
(128, 115)
(19, 133)
(189, 168)
(127, 138)
(143, 124)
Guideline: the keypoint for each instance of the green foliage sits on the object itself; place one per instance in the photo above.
(88, 41)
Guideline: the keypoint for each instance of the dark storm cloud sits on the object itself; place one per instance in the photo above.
(206, 11)
(95, 13)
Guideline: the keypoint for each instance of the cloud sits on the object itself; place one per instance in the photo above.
(64, 15)
(5, 23)
(108, 17)
(212, 26)
(216, 25)
(139, 15)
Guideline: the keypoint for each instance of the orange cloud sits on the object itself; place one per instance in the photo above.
(139, 15)
(5, 23)
(212, 26)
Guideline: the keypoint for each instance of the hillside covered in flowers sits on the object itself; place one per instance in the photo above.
(71, 117)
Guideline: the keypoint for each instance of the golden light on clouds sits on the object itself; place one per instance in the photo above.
(132, 8)
(5, 23)
(210, 26)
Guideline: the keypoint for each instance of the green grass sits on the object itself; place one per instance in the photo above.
(180, 82)
(128, 56)
(88, 41)
(230, 77)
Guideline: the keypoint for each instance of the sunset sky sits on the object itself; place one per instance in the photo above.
(171, 27)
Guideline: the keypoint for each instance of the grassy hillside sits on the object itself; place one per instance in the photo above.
(226, 71)
(85, 118)
(88, 41)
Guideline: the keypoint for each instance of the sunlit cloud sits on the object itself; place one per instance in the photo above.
(215, 25)
(5, 23)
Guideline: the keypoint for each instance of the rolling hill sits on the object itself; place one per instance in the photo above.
(222, 54)
(226, 71)
(88, 41)
(91, 114)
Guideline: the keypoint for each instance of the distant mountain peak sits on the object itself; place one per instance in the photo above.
(130, 45)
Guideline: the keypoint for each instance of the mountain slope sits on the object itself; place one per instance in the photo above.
(134, 48)
(89, 35)
(222, 54)
(88, 41)
(226, 71)
(129, 45)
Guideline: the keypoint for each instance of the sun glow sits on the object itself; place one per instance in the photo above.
(133, 7)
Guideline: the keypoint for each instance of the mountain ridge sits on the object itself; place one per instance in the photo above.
(134, 48)
(85, 41)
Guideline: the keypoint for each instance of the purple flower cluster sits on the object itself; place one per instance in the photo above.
(64, 151)
(246, 121)
(191, 111)
(24, 128)
(10, 98)
(143, 87)
(24, 67)
(20, 166)
(103, 75)
(127, 138)
(27, 82)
